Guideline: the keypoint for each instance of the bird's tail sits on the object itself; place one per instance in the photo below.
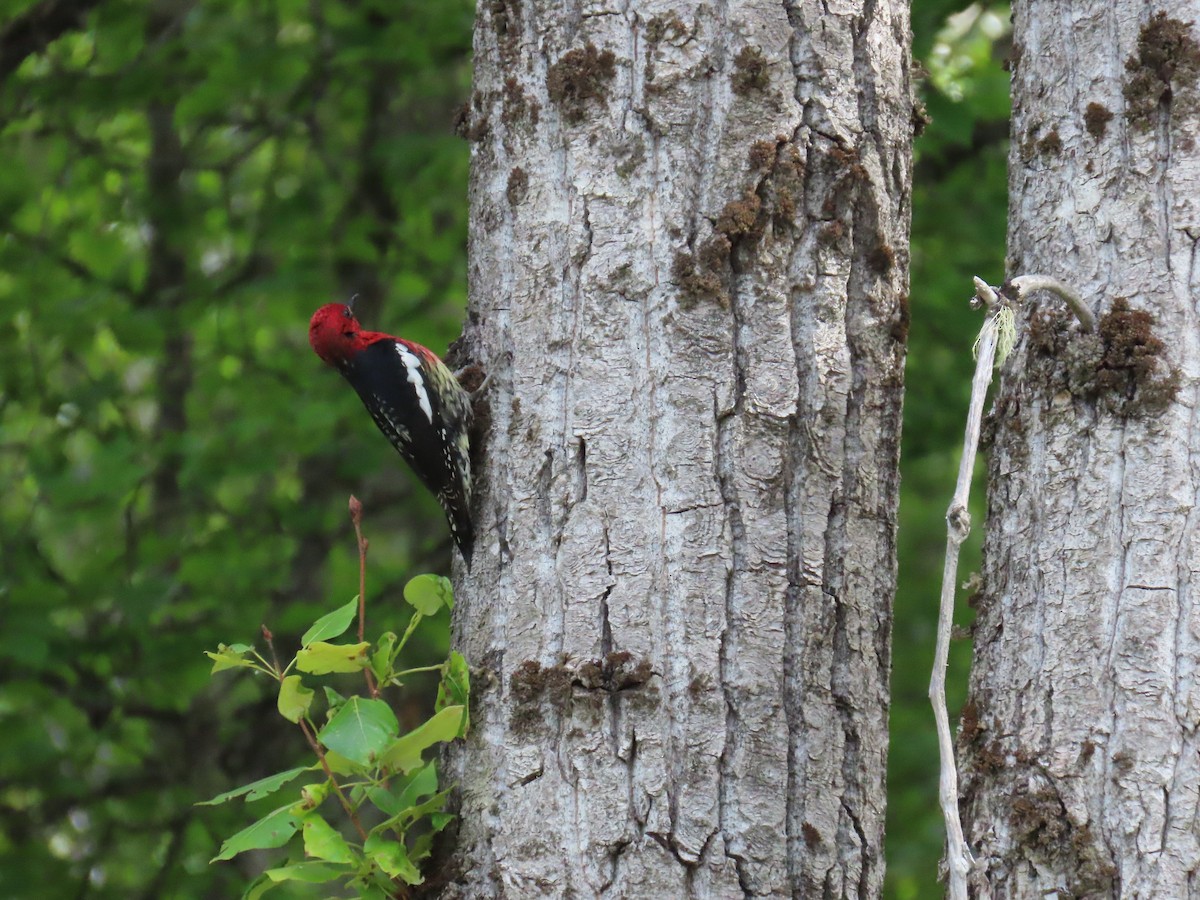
(458, 515)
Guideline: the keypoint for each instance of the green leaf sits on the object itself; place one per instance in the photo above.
(231, 656)
(429, 593)
(455, 688)
(361, 730)
(407, 817)
(340, 765)
(371, 891)
(384, 800)
(294, 698)
(331, 625)
(421, 847)
(322, 841)
(404, 792)
(423, 783)
(272, 830)
(391, 856)
(255, 790)
(320, 658)
(384, 655)
(333, 698)
(424, 842)
(307, 872)
(405, 754)
(258, 887)
(434, 804)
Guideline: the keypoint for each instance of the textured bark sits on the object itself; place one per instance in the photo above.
(688, 284)
(1079, 740)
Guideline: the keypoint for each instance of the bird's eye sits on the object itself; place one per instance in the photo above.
(346, 312)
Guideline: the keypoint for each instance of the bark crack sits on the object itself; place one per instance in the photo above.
(671, 845)
(729, 423)
(616, 851)
(729, 638)
(800, 448)
(1110, 690)
(581, 480)
(1162, 184)
(864, 881)
(1183, 580)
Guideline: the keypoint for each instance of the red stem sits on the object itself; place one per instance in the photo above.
(317, 749)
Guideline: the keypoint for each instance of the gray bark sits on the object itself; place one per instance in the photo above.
(688, 276)
(1079, 738)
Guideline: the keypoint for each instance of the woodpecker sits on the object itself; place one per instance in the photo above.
(415, 400)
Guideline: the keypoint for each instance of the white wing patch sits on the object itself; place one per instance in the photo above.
(413, 364)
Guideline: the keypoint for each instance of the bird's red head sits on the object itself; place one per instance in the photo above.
(335, 334)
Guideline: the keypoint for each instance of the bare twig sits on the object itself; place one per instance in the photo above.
(1027, 284)
(958, 522)
(270, 639)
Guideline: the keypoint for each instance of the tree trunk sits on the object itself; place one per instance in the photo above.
(688, 276)
(1079, 739)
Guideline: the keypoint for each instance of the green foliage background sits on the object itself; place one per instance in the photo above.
(181, 184)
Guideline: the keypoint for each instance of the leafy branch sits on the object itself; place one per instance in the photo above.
(388, 794)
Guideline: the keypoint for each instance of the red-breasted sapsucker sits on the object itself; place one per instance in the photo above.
(414, 399)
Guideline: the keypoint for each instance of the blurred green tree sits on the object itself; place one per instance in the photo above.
(181, 184)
